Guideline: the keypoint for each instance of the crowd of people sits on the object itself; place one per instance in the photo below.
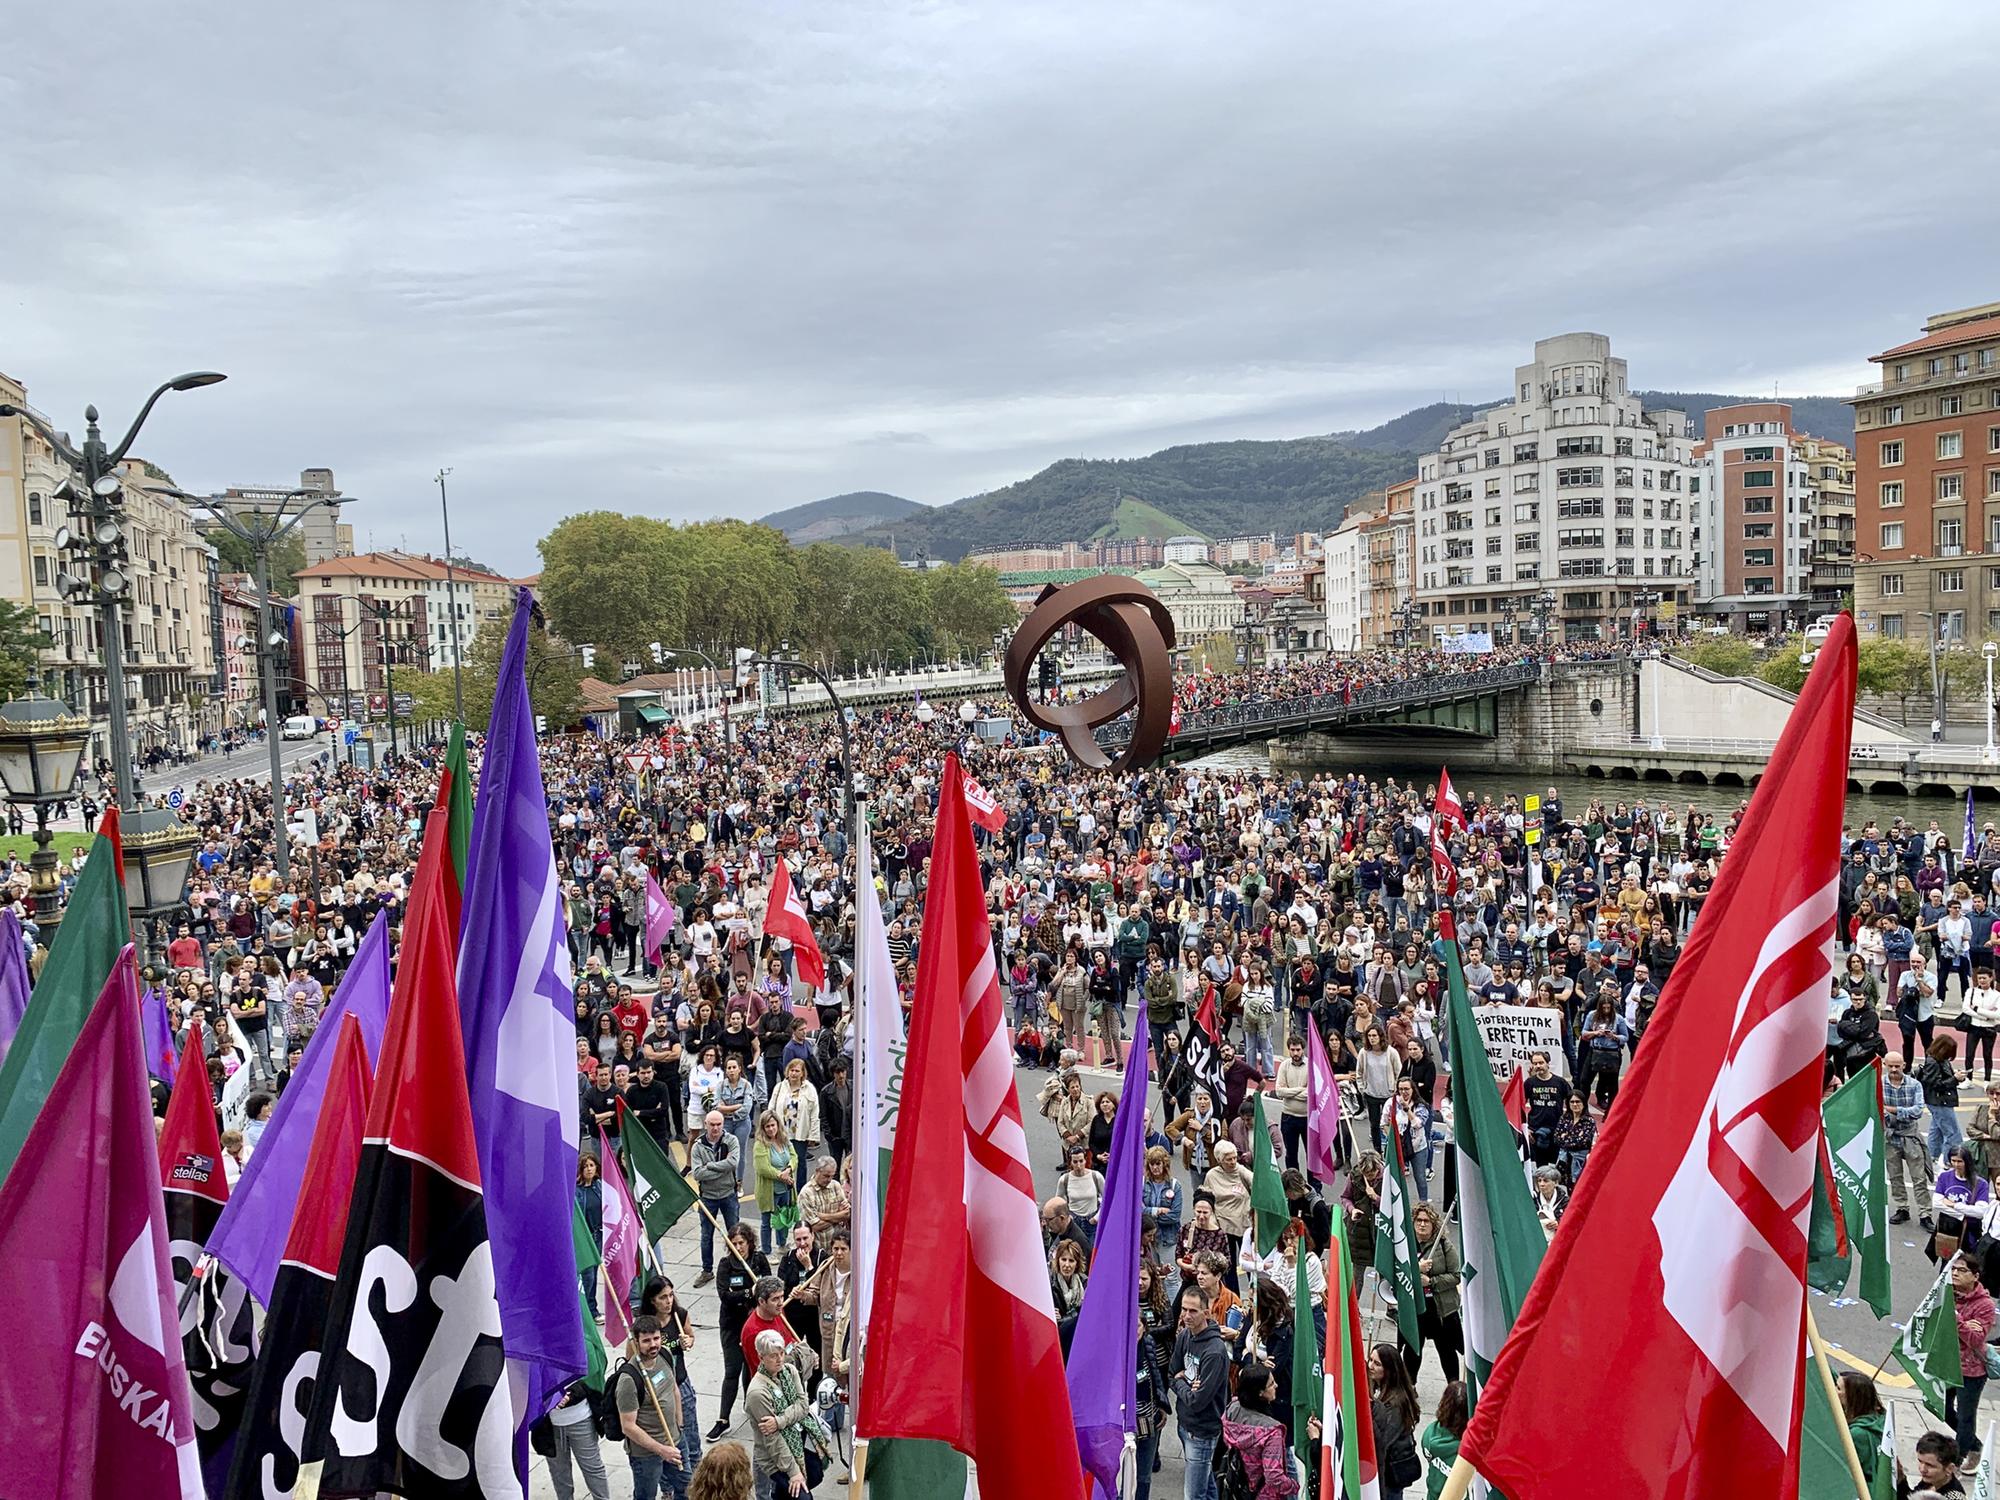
(1120, 907)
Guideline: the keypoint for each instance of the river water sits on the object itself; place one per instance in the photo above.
(1577, 792)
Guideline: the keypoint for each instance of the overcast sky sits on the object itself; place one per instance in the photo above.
(717, 259)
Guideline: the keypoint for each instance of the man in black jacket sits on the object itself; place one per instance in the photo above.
(647, 1099)
(1200, 1367)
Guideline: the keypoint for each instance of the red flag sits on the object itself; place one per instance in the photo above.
(94, 1396)
(1681, 1260)
(107, 826)
(785, 917)
(985, 811)
(1450, 811)
(302, 1293)
(413, 1395)
(1514, 1099)
(962, 1344)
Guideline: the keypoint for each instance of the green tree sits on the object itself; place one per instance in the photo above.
(618, 582)
(21, 642)
(744, 586)
(1725, 655)
(554, 677)
(855, 603)
(288, 556)
(1894, 669)
(1782, 668)
(965, 605)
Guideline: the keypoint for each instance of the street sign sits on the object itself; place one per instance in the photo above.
(333, 725)
(637, 760)
(351, 736)
(175, 798)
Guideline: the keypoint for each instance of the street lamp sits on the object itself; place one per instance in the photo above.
(42, 743)
(451, 603)
(272, 527)
(1989, 651)
(158, 846)
(1407, 614)
(728, 687)
(1544, 606)
(96, 498)
(786, 665)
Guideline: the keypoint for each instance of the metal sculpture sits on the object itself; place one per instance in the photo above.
(1136, 629)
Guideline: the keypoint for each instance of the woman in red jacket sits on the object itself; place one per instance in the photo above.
(1251, 1427)
(1975, 1325)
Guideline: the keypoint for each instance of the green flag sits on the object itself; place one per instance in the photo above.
(458, 805)
(1928, 1348)
(1267, 1188)
(1982, 1481)
(94, 928)
(1307, 1371)
(1396, 1233)
(1823, 1471)
(662, 1194)
(1827, 1248)
(1499, 1232)
(587, 1260)
(1854, 1146)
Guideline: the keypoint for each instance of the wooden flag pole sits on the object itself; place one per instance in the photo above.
(1826, 1381)
(730, 1245)
(1458, 1483)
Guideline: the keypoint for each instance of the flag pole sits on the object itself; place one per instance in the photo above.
(1819, 1365)
(857, 1338)
(1458, 1483)
(730, 1245)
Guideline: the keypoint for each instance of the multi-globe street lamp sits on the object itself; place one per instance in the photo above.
(42, 744)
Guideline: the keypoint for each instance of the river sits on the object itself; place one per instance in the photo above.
(1577, 791)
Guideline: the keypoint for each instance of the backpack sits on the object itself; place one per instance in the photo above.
(604, 1404)
(1228, 1472)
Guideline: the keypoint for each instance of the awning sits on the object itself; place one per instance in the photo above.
(653, 716)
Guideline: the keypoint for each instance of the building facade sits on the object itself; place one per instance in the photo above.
(1245, 551)
(351, 647)
(1198, 599)
(241, 691)
(1755, 506)
(1346, 579)
(166, 619)
(322, 533)
(477, 599)
(1185, 549)
(1568, 485)
(1831, 466)
(1927, 483)
(1389, 538)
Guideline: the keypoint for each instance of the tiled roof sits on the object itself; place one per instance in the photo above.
(1944, 338)
(376, 565)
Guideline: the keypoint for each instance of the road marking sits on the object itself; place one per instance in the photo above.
(1895, 1380)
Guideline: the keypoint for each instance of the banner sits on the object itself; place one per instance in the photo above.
(1513, 1032)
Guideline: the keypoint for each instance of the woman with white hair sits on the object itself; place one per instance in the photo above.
(789, 1457)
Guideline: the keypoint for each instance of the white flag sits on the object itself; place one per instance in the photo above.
(878, 1079)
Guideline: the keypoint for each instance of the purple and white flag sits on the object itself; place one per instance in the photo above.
(659, 918)
(249, 1238)
(621, 1244)
(14, 984)
(517, 1004)
(156, 1031)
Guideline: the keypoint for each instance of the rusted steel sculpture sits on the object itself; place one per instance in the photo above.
(1135, 628)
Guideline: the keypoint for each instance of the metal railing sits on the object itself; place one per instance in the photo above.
(1882, 752)
(1275, 714)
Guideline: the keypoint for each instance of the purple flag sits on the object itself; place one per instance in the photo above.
(517, 1004)
(621, 1244)
(250, 1236)
(659, 918)
(156, 1029)
(1104, 1351)
(13, 979)
(1322, 1109)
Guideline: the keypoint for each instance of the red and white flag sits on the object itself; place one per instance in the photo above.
(962, 1342)
(985, 810)
(1681, 1260)
(1450, 811)
(785, 917)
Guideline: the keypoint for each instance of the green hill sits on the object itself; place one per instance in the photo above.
(838, 515)
(1132, 517)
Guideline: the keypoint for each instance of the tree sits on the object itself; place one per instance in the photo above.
(22, 640)
(1893, 669)
(288, 555)
(965, 605)
(743, 586)
(1725, 655)
(617, 582)
(555, 677)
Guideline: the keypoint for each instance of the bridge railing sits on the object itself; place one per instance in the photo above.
(1271, 714)
(1888, 751)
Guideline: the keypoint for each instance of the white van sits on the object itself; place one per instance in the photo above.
(301, 727)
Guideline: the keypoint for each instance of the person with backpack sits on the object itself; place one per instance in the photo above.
(568, 1435)
(1392, 1402)
(648, 1401)
(1254, 1461)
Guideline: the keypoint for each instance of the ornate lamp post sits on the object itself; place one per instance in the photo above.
(42, 743)
(159, 847)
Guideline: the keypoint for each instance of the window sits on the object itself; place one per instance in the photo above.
(1892, 627)
(1993, 434)
(1950, 535)
(1759, 505)
(1624, 537)
(41, 570)
(1934, 367)
(1892, 413)
(1892, 585)
(1993, 482)
(1580, 536)
(1757, 557)
(1892, 536)
(1576, 478)
(1950, 406)
(1526, 453)
(1759, 455)
(1759, 479)
(1951, 486)
(1527, 484)
(1494, 572)
(35, 501)
(1492, 489)
(1492, 515)
(1760, 531)
(1892, 493)
(1951, 581)
(1576, 446)
(1526, 511)
(1492, 458)
(1951, 445)
(1528, 541)
(1573, 507)
(1526, 571)
(1892, 454)
(1493, 546)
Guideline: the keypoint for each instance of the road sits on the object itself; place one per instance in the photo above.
(250, 762)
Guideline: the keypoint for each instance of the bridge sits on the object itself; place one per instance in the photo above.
(1465, 704)
(1891, 769)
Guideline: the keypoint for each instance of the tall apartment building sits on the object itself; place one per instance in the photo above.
(322, 533)
(242, 694)
(1254, 551)
(1389, 538)
(1755, 506)
(1569, 485)
(1927, 482)
(348, 646)
(172, 678)
(1831, 467)
(1346, 575)
(482, 600)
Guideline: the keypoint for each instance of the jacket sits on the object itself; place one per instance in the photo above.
(799, 1109)
(712, 1165)
(1441, 1281)
(1232, 1197)
(1199, 1403)
(1162, 997)
(1261, 1441)
(766, 1172)
(1975, 1323)
(770, 1455)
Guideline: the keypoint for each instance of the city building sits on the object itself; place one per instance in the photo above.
(1198, 598)
(348, 641)
(1185, 549)
(242, 694)
(1345, 577)
(1754, 508)
(322, 533)
(1831, 466)
(1570, 485)
(483, 599)
(1245, 551)
(1389, 539)
(1035, 559)
(1295, 625)
(1130, 552)
(1927, 482)
(172, 678)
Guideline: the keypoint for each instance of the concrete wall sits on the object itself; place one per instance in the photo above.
(1691, 703)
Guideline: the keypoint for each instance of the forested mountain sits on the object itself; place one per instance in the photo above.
(838, 515)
